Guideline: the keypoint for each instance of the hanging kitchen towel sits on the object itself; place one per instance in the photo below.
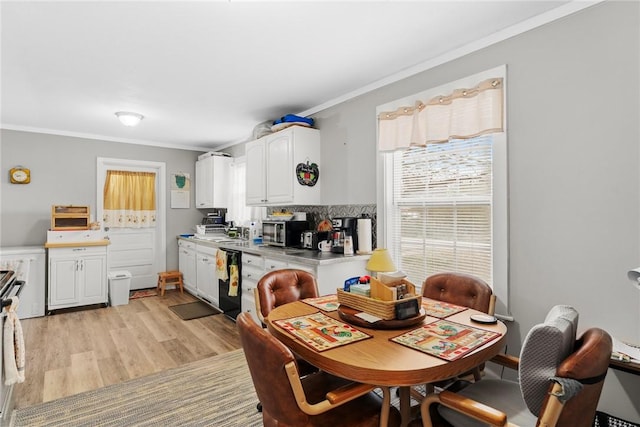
(221, 265)
(233, 281)
(13, 346)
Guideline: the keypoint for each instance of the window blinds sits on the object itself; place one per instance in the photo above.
(442, 208)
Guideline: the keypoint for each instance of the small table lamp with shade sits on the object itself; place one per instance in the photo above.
(380, 262)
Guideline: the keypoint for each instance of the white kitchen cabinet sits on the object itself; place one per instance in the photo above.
(77, 276)
(252, 270)
(206, 276)
(29, 262)
(271, 168)
(271, 264)
(187, 265)
(212, 182)
(332, 276)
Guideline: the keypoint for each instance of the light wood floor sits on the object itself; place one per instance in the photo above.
(69, 353)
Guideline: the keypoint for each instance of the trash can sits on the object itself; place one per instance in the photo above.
(119, 285)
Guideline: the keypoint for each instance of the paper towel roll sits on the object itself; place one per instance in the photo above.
(634, 276)
(364, 235)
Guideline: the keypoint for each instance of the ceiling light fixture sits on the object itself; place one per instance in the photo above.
(128, 118)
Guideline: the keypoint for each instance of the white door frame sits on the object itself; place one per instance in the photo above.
(105, 163)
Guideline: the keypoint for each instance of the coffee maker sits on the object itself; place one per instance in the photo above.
(343, 227)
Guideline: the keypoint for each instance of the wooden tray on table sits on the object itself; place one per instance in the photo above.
(348, 314)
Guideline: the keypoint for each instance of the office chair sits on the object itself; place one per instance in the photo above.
(560, 381)
(318, 399)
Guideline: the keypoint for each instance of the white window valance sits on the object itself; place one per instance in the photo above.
(462, 114)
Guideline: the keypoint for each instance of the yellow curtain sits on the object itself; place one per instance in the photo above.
(129, 199)
(462, 114)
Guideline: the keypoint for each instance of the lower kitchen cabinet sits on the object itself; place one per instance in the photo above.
(187, 265)
(77, 276)
(252, 271)
(332, 276)
(206, 276)
(329, 276)
(197, 263)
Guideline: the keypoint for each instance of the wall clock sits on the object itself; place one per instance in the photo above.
(19, 175)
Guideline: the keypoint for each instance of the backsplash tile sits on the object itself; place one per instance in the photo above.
(315, 214)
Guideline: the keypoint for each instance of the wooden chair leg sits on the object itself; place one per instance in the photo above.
(180, 284)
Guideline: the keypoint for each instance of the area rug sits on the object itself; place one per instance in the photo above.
(212, 392)
(193, 310)
(143, 293)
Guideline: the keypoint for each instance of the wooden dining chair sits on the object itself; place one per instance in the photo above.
(280, 287)
(319, 399)
(560, 382)
(464, 290)
(460, 289)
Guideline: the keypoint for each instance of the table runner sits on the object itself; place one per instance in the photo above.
(321, 332)
(324, 303)
(446, 339)
(440, 309)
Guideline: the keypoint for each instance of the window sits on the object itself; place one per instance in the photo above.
(443, 206)
(238, 211)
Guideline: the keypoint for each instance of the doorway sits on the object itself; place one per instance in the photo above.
(141, 251)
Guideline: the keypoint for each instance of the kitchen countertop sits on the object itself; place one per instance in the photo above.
(101, 242)
(306, 256)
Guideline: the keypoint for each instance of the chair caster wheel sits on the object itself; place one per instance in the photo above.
(259, 407)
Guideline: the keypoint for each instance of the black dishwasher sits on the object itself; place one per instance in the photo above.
(230, 305)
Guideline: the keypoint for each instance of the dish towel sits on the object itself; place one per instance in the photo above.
(233, 282)
(221, 265)
(13, 346)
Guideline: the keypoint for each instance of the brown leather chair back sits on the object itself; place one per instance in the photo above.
(266, 357)
(279, 287)
(588, 364)
(460, 289)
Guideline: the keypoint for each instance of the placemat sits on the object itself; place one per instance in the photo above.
(321, 332)
(445, 339)
(325, 303)
(440, 309)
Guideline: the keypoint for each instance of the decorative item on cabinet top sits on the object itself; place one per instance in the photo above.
(213, 153)
(69, 217)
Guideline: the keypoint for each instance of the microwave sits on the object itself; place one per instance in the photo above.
(283, 233)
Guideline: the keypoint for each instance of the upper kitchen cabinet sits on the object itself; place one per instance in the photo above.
(280, 168)
(212, 182)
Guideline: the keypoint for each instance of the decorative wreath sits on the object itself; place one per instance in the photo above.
(307, 174)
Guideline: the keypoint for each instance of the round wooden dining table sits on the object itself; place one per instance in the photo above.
(380, 361)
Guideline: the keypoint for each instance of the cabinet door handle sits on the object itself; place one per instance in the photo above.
(79, 249)
(248, 261)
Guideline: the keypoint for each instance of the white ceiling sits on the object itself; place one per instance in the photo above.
(205, 73)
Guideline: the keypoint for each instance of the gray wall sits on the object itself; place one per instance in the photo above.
(574, 196)
(63, 171)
